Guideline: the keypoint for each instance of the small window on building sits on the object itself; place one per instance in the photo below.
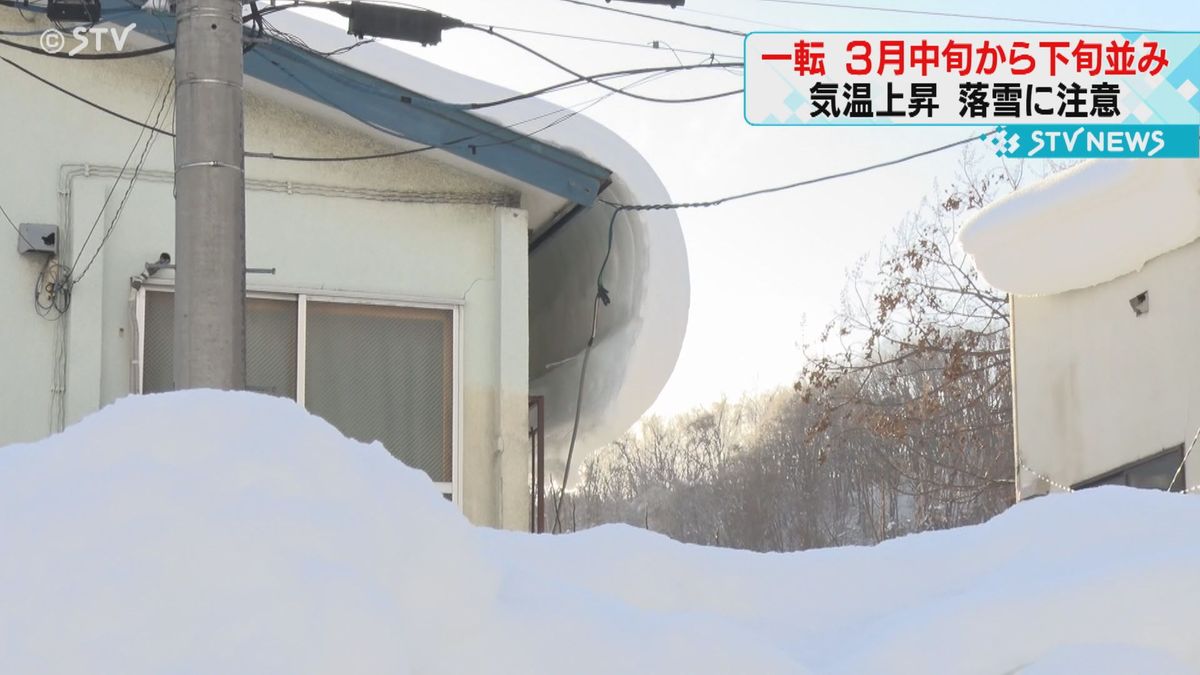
(1153, 473)
(384, 373)
(376, 371)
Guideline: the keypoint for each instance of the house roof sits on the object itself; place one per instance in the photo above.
(386, 105)
(1087, 225)
(560, 174)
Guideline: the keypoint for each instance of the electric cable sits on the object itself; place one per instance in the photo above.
(655, 72)
(81, 99)
(569, 112)
(663, 19)
(14, 227)
(596, 82)
(580, 79)
(797, 184)
(294, 158)
(619, 43)
(768, 24)
(577, 79)
(90, 56)
(137, 170)
(951, 15)
(158, 102)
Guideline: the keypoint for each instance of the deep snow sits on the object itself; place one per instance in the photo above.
(207, 532)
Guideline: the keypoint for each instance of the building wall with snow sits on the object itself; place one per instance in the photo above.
(406, 229)
(1099, 384)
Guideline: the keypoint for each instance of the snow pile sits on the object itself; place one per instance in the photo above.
(207, 532)
(1087, 225)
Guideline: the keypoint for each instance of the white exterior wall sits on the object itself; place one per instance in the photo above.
(1098, 387)
(406, 227)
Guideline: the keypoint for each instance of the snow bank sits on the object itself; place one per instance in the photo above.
(1087, 225)
(206, 532)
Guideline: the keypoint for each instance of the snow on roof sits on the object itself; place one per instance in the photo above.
(1087, 225)
(234, 533)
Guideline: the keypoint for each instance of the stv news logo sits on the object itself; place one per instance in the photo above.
(1095, 141)
(54, 41)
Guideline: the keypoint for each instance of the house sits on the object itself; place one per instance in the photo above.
(421, 299)
(1101, 266)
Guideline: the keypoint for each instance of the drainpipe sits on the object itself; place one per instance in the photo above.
(1012, 374)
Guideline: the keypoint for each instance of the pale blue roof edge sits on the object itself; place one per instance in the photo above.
(396, 110)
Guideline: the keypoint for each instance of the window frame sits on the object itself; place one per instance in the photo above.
(300, 297)
(1100, 480)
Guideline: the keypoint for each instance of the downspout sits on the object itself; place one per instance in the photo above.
(1012, 374)
(68, 173)
(58, 380)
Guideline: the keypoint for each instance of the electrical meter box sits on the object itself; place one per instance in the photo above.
(38, 238)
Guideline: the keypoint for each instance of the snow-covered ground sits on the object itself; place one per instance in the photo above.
(207, 532)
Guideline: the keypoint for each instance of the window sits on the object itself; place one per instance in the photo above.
(1154, 473)
(378, 371)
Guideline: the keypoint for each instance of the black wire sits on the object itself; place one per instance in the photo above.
(952, 15)
(578, 78)
(588, 78)
(739, 18)
(256, 18)
(677, 22)
(86, 56)
(256, 155)
(158, 103)
(14, 227)
(295, 158)
(383, 155)
(517, 135)
(789, 186)
(83, 100)
(137, 170)
(619, 43)
(566, 114)
(598, 83)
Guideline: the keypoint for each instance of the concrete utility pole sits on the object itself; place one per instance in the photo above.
(210, 197)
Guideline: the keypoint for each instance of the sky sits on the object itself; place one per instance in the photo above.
(766, 273)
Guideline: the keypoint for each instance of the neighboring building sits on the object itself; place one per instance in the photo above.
(418, 299)
(1102, 267)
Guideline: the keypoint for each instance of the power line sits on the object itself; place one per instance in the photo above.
(951, 15)
(756, 22)
(677, 22)
(15, 228)
(589, 78)
(159, 103)
(790, 186)
(137, 170)
(573, 110)
(90, 56)
(578, 79)
(518, 136)
(619, 43)
(293, 158)
(83, 100)
(598, 83)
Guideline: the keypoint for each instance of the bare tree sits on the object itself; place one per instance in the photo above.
(914, 369)
(900, 422)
